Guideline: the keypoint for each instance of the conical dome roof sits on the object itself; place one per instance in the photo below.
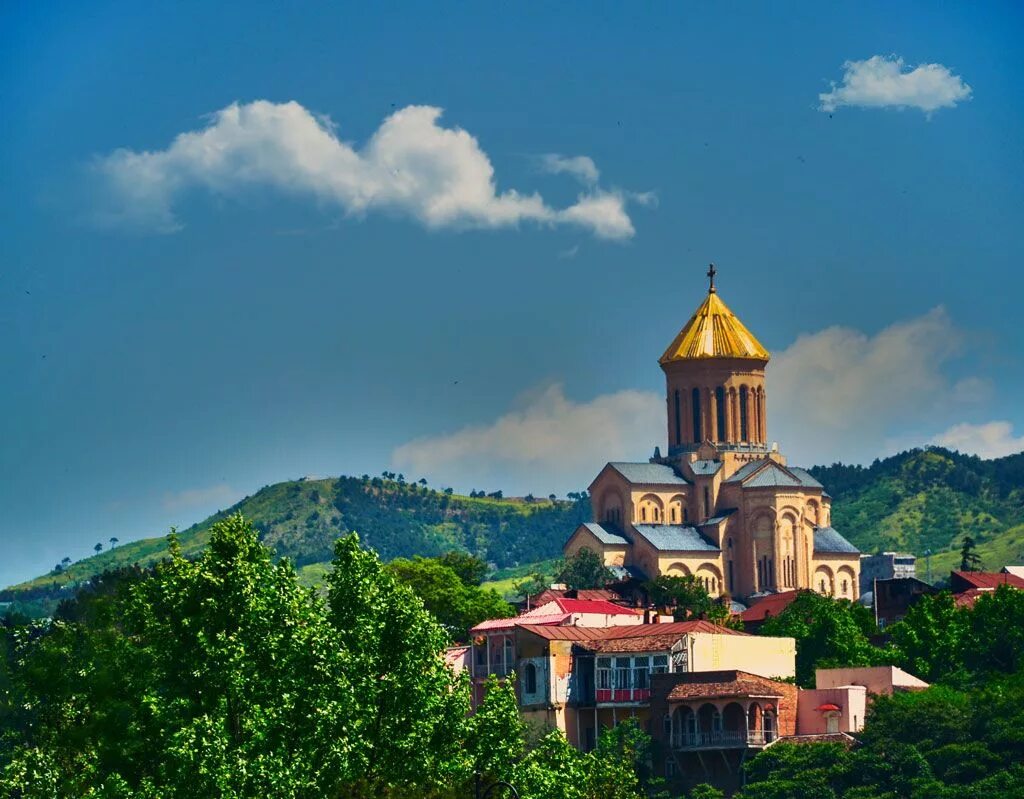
(714, 332)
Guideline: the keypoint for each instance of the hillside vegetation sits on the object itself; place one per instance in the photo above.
(929, 500)
(915, 501)
(301, 520)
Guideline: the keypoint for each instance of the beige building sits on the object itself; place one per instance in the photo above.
(723, 504)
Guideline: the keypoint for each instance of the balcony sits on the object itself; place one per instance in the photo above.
(721, 739)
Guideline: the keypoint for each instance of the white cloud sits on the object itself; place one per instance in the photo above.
(223, 495)
(989, 440)
(836, 394)
(882, 82)
(411, 166)
(840, 394)
(551, 443)
(580, 167)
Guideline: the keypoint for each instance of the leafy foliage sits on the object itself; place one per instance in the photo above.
(584, 569)
(829, 633)
(301, 519)
(456, 604)
(689, 599)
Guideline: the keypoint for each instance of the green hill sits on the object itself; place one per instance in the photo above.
(914, 501)
(301, 519)
(930, 499)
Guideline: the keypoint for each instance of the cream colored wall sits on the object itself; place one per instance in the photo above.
(835, 569)
(611, 555)
(758, 654)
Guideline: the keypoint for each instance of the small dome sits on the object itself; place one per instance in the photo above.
(714, 332)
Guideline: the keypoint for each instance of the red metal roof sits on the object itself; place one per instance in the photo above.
(828, 706)
(594, 606)
(508, 624)
(678, 628)
(989, 579)
(771, 605)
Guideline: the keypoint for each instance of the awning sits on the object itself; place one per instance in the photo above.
(828, 706)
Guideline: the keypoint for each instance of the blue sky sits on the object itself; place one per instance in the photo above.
(280, 295)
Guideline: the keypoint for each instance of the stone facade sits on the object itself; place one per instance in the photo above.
(722, 505)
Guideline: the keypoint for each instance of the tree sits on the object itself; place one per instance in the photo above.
(970, 561)
(470, 569)
(454, 603)
(688, 598)
(113, 541)
(929, 642)
(584, 569)
(829, 633)
(98, 548)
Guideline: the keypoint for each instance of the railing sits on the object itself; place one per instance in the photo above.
(720, 739)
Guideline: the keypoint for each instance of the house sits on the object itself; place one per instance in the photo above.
(885, 566)
(764, 608)
(968, 586)
(839, 701)
(713, 721)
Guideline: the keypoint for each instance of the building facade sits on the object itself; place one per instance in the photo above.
(723, 504)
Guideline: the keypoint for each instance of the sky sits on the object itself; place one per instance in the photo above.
(245, 244)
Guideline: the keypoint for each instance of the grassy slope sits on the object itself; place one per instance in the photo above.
(302, 519)
(922, 500)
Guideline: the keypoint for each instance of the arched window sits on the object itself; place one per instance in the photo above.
(657, 515)
(530, 679)
(679, 421)
(643, 513)
(695, 406)
(846, 586)
(686, 515)
(720, 407)
(744, 422)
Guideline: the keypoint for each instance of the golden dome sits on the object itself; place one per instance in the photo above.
(714, 332)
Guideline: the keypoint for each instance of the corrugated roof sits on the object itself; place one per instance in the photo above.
(705, 467)
(678, 628)
(593, 606)
(508, 624)
(805, 477)
(770, 605)
(606, 534)
(827, 539)
(989, 580)
(675, 538)
(770, 476)
(648, 473)
(714, 332)
(746, 470)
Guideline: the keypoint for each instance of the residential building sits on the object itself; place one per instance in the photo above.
(967, 586)
(723, 505)
(885, 566)
(894, 597)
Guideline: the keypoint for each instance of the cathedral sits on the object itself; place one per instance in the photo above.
(722, 505)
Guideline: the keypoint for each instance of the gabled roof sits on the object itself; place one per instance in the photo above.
(648, 473)
(675, 538)
(539, 619)
(990, 580)
(826, 539)
(606, 533)
(770, 605)
(593, 606)
(767, 473)
(714, 332)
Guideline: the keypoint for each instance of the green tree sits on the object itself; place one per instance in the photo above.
(829, 633)
(970, 561)
(929, 641)
(688, 599)
(456, 605)
(585, 569)
(471, 569)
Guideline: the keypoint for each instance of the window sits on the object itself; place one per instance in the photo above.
(643, 513)
(744, 424)
(720, 407)
(679, 421)
(530, 679)
(670, 768)
(660, 664)
(695, 405)
(604, 674)
(641, 670)
(622, 674)
(707, 502)
(675, 514)
(846, 585)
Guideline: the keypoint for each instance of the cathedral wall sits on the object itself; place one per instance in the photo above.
(837, 575)
(584, 539)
